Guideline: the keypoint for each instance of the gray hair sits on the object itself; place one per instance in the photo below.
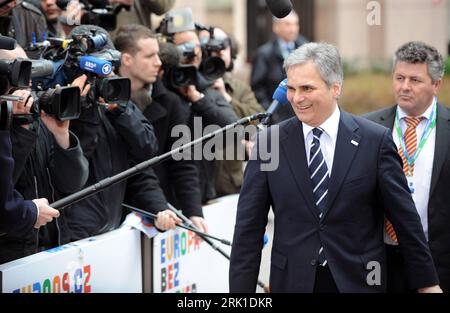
(326, 58)
(417, 52)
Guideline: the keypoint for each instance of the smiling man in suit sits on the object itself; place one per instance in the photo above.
(421, 128)
(335, 169)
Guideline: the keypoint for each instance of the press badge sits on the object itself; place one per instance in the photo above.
(411, 185)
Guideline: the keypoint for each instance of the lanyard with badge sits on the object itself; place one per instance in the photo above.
(425, 135)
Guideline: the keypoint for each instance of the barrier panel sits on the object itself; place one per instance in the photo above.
(184, 263)
(122, 261)
(106, 263)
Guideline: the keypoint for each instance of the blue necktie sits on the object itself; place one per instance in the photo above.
(318, 171)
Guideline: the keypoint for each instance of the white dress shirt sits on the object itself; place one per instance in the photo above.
(423, 167)
(327, 139)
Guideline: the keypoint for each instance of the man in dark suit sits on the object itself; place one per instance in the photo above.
(267, 69)
(334, 171)
(421, 127)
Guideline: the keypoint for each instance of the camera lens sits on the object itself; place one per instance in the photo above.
(114, 90)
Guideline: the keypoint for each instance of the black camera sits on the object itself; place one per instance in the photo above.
(15, 73)
(180, 76)
(61, 102)
(212, 68)
(113, 89)
(87, 53)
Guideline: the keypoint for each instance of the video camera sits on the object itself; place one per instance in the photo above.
(175, 74)
(12, 74)
(181, 20)
(85, 53)
(61, 102)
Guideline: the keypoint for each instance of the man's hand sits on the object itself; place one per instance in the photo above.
(200, 223)
(432, 289)
(248, 146)
(219, 85)
(167, 220)
(80, 82)
(46, 213)
(191, 93)
(24, 106)
(59, 129)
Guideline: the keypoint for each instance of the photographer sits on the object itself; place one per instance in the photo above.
(114, 137)
(229, 173)
(45, 155)
(203, 100)
(163, 108)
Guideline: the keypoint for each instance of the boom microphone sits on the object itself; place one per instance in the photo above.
(279, 8)
(279, 99)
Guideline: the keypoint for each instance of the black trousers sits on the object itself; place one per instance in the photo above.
(324, 281)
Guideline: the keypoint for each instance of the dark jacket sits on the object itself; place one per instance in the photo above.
(438, 203)
(229, 172)
(178, 179)
(213, 109)
(43, 170)
(112, 142)
(25, 20)
(17, 216)
(366, 172)
(268, 72)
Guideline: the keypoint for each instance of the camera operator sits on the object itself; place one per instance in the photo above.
(46, 154)
(163, 108)
(229, 173)
(204, 101)
(18, 216)
(115, 137)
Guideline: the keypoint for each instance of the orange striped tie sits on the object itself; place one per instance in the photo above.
(410, 138)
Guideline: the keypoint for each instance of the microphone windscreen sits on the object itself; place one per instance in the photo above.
(7, 43)
(279, 8)
(280, 93)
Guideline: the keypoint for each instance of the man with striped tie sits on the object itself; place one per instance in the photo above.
(421, 131)
(336, 172)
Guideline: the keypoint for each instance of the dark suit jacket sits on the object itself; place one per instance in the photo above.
(364, 175)
(439, 202)
(268, 72)
(16, 215)
(178, 179)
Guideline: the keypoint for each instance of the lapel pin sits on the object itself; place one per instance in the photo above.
(355, 143)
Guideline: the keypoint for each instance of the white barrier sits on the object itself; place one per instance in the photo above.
(113, 262)
(106, 263)
(183, 263)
